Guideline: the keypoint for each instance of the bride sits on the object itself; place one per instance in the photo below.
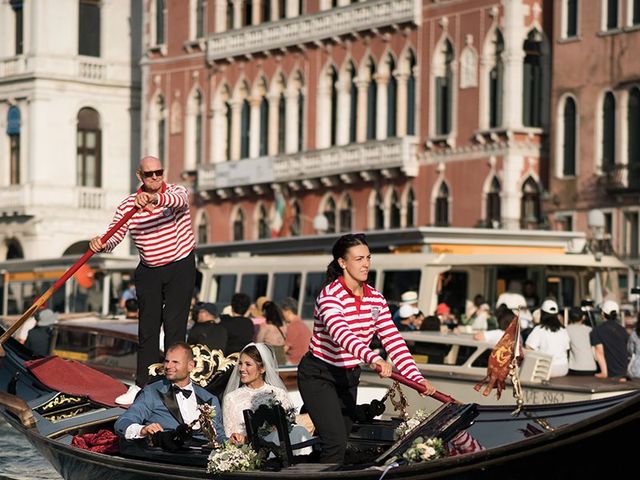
(253, 382)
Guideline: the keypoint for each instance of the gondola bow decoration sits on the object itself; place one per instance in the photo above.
(504, 361)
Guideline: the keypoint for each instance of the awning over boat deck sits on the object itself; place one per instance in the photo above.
(76, 378)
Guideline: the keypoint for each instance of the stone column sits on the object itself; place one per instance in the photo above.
(254, 129)
(274, 127)
(291, 135)
(344, 110)
(382, 105)
(293, 8)
(220, 15)
(361, 120)
(236, 112)
(323, 117)
(218, 133)
(513, 63)
(237, 13)
(401, 104)
(511, 192)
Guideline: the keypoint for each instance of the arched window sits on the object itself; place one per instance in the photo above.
(496, 75)
(203, 230)
(230, 15)
(612, 14)
(334, 106)
(372, 96)
(353, 99)
(532, 78)
(264, 126)
(493, 214)
(569, 138)
(634, 138)
(608, 132)
(266, 10)
(444, 89)
(282, 8)
(198, 128)
(296, 222)
(18, 11)
(570, 18)
(89, 161)
(201, 18)
(162, 127)
(14, 249)
(282, 122)
(442, 206)
(345, 214)
(392, 101)
(329, 212)
(378, 212)
(394, 210)
(247, 12)
(411, 96)
(229, 122)
(13, 132)
(411, 208)
(530, 205)
(238, 225)
(264, 229)
(300, 120)
(635, 14)
(89, 28)
(159, 22)
(244, 129)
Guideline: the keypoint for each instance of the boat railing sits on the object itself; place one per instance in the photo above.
(461, 354)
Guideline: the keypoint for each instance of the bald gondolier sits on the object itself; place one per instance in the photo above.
(165, 276)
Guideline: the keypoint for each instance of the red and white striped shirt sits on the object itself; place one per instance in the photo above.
(163, 235)
(345, 324)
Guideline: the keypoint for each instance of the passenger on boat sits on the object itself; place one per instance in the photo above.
(39, 337)
(274, 331)
(208, 330)
(610, 341)
(478, 313)
(551, 337)
(298, 334)
(239, 326)
(633, 348)
(408, 318)
(581, 359)
(493, 336)
(253, 382)
(165, 404)
(165, 277)
(348, 314)
(409, 298)
(513, 299)
(131, 309)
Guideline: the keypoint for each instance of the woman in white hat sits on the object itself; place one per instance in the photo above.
(551, 337)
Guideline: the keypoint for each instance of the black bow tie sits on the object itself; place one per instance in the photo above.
(176, 389)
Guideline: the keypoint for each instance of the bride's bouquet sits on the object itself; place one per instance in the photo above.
(233, 458)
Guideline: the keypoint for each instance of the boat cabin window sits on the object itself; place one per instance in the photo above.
(312, 288)
(562, 288)
(286, 285)
(254, 284)
(396, 282)
(72, 344)
(453, 289)
(114, 352)
(223, 286)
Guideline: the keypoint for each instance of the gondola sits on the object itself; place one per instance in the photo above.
(572, 440)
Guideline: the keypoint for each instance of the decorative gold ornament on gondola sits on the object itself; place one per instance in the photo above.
(208, 363)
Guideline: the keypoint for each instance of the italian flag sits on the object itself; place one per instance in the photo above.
(277, 220)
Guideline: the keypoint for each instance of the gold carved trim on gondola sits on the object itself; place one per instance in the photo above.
(60, 400)
(208, 363)
(64, 416)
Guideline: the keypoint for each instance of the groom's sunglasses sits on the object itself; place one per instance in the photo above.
(151, 173)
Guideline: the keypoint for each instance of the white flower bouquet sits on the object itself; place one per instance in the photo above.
(405, 427)
(423, 450)
(233, 458)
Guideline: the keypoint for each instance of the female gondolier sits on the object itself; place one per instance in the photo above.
(348, 313)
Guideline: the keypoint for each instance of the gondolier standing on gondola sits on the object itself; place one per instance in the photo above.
(165, 276)
(348, 313)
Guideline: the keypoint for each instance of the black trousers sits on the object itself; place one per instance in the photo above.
(164, 298)
(329, 393)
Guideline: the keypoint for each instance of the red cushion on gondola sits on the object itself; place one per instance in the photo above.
(76, 378)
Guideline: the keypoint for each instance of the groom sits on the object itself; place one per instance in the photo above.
(165, 404)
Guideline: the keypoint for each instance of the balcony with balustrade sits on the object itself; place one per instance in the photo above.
(621, 179)
(313, 28)
(356, 162)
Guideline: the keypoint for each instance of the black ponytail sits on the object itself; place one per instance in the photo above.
(340, 249)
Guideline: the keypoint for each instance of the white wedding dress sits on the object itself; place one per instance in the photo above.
(244, 398)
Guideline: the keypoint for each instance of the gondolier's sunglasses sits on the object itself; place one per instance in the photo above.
(151, 173)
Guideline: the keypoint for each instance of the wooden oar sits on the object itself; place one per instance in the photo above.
(420, 388)
(42, 299)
